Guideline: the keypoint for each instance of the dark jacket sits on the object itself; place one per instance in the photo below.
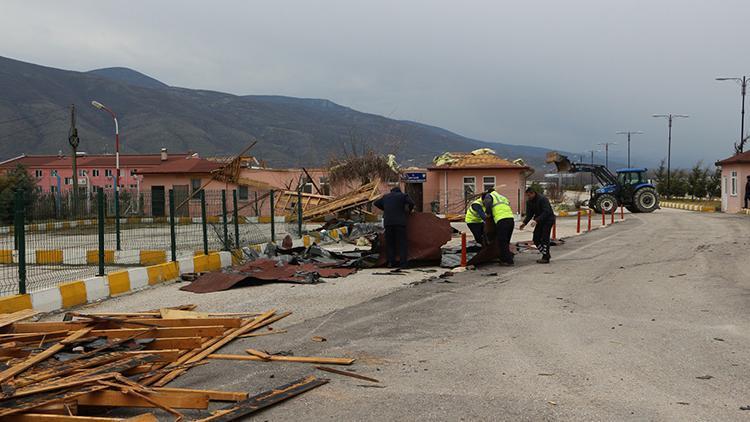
(747, 189)
(396, 207)
(539, 209)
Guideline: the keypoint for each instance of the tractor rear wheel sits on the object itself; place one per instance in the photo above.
(606, 203)
(646, 200)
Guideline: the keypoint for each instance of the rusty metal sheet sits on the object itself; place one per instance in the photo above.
(426, 234)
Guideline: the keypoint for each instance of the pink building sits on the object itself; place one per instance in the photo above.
(734, 173)
(459, 176)
(55, 172)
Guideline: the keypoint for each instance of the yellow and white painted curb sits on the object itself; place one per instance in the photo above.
(86, 256)
(92, 289)
(687, 207)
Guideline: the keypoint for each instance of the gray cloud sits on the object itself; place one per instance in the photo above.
(559, 74)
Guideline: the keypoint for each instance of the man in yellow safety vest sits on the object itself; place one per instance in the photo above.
(474, 219)
(502, 215)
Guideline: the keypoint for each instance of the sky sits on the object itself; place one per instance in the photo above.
(560, 74)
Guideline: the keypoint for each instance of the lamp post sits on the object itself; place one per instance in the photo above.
(606, 151)
(670, 117)
(101, 106)
(630, 132)
(743, 89)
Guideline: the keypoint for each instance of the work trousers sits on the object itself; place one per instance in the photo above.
(747, 198)
(395, 240)
(477, 229)
(541, 237)
(504, 229)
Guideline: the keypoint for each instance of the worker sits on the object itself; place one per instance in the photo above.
(539, 209)
(475, 216)
(396, 207)
(502, 215)
(747, 191)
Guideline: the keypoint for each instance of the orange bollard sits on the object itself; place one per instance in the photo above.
(622, 212)
(554, 231)
(604, 216)
(578, 223)
(463, 249)
(589, 220)
(613, 216)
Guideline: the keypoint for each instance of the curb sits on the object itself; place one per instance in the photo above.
(79, 292)
(686, 207)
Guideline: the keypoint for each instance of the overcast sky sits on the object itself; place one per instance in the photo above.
(561, 74)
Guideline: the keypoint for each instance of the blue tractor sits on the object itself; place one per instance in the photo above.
(629, 188)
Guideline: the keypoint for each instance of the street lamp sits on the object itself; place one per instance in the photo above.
(101, 106)
(630, 132)
(743, 89)
(606, 151)
(669, 118)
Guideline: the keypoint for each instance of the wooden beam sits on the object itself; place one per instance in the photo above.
(33, 360)
(213, 395)
(183, 343)
(110, 398)
(346, 373)
(42, 327)
(7, 319)
(41, 417)
(164, 355)
(276, 358)
(162, 332)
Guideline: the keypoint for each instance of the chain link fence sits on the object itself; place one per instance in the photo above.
(50, 238)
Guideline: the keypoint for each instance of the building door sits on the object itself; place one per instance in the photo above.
(157, 201)
(181, 193)
(724, 193)
(414, 190)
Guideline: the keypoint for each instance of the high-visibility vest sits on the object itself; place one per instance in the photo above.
(500, 207)
(471, 215)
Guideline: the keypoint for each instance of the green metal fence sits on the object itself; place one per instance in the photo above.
(46, 239)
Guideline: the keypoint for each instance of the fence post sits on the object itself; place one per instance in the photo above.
(578, 222)
(257, 210)
(20, 234)
(299, 212)
(117, 213)
(203, 222)
(612, 221)
(224, 218)
(273, 220)
(235, 219)
(589, 214)
(100, 224)
(172, 234)
(463, 249)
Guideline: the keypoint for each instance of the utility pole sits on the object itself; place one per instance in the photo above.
(670, 117)
(738, 148)
(591, 175)
(629, 132)
(606, 152)
(74, 141)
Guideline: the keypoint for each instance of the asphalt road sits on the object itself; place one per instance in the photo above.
(619, 327)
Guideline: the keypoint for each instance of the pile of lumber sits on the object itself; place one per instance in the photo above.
(91, 363)
(356, 198)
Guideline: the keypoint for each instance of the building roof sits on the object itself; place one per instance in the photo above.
(479, 159)
(743, 157)
(184, 165)
(89, 160)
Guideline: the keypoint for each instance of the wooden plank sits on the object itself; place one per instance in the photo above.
(213, 395)
(180, 400)
(162, 332)
(346, 373)
(22, 404)
(41, 417)
(260, 354)
(8, 319)
(46, 327)
(65, 383)
(42, 327)
(33, 360)
(265, 399)
(275, 358)
(32, 337)
(164, 355)
(183, 343)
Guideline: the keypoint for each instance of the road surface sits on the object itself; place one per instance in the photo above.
(646, 320)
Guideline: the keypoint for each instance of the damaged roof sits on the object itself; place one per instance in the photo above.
(478, 159)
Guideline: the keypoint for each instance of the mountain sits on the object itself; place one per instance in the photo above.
(129, 76)
(35, 103)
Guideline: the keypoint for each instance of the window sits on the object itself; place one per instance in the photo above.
(82, 173)
(95, 172)
(734, 184)
(132, 172)
(38, 173)
(470, 183)
(325, 186)
(68, 180)
(53, 173)
(133, 186)
(108, 172)
(53, 189)
(195, 186)
(307, 187)
(243, 193)
(488, 182)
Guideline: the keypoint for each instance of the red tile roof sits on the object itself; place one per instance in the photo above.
(743, 157)
(103, 161)
(185, 165)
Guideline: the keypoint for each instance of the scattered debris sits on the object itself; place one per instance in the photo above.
(346, 373)
(704, 377)
(718, 339)
(319, 338)
(544, 374)
(745, 407)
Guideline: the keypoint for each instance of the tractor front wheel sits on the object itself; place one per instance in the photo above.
(646, 200)
(606, 203)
